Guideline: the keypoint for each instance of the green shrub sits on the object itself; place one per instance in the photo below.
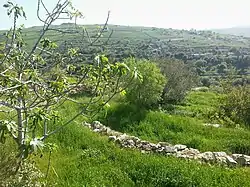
(180, 80)
(236, 104)
(146, 91)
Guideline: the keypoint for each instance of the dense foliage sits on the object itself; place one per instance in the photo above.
(145, 91)
(50, 84)
(180, 77)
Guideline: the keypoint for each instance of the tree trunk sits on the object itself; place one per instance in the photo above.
(20, 128)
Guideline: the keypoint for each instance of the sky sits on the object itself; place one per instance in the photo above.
(177, 14)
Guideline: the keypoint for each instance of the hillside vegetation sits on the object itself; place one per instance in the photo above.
(171, 86)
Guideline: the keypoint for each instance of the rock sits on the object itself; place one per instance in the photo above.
(114, 133)
(112, 138)
(164, 144)
(146, 147)
(107, 131)
(136, 139)
(122, 138)
(138, 145)
(212, 125)
(220, 154)
(230, 161)
(153, 146)
(194, 151)
(130, 142)
(144, 142)
(160, 150)
(178, 150)
(170, 149)
(96, 125)
(86, 124)
(208, 157)
(180, 147)
(96, 130)
(241, 159)
(190, 153)
(221, 160)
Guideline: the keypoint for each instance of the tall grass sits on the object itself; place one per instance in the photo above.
(176, 129)
(88, 159)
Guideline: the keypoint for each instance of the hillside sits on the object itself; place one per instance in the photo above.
(218, 52)
(156, 105)
(239, 31)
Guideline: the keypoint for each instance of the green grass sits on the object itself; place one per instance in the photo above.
(180, 129)
(200, 104)
(86, 158)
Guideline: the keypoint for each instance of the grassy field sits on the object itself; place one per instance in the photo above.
(181, 128)
(84, 158)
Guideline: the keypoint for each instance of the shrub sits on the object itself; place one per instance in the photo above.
(147, 90)
(236, 104)
(180, 80)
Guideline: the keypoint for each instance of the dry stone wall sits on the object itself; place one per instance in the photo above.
(179, 150)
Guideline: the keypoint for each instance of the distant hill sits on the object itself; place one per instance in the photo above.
(239, 31)
(119, 42)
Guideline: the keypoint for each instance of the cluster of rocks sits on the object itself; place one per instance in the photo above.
(212, 125)
(179, 151)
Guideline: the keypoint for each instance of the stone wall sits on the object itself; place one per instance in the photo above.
(179, 151)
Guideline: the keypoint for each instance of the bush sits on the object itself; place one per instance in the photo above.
(180, 80)
(236, 104)
(146, 91)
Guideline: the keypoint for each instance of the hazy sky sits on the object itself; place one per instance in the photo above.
(181, 14)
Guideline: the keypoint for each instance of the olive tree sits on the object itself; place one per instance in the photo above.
(34, 82)
(180, 80)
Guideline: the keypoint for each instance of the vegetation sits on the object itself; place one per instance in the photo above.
(147, 90)
(180, 80)
(136, 80)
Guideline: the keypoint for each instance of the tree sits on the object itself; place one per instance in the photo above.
(236, 103)
(146, 90)
(34, 83)
(180, 80)
(222, 68)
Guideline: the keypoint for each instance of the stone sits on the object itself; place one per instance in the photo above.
(96, 125)
(221, 160)
(220, 154)
(144, 142)
(194, 151)
(241, 159)
(208, 156)
(170, 149)
(180, 147)
(96, 130)
(122, 138)
(231, 161)
(136, 139)
(146, 147)
(112, 138)
(164, 144)
(86, 124)
(153, 146)
(178, 150)
(130, 142)
(160, 149)
(212, 125)
(107, 131)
